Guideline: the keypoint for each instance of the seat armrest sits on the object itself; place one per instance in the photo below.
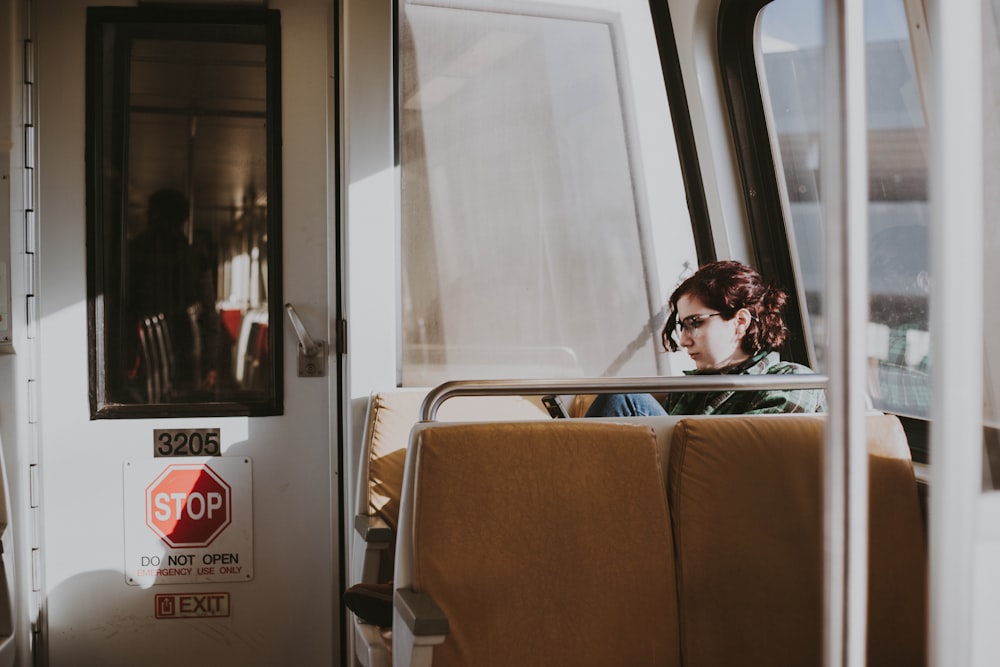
(418, 625)
(370, 647)
(372, 529)
(420, 613)
(374, 539)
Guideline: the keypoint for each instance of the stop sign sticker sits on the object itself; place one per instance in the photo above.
(188, 520)
(188, 505)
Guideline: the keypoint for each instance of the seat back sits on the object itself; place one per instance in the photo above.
(543, 543)
(391, 416)
(746, 506)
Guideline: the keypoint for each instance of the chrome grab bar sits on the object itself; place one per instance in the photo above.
(441, 393)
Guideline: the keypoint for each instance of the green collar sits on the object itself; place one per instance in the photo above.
(736, 369)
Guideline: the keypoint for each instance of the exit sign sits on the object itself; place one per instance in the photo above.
(192, 605)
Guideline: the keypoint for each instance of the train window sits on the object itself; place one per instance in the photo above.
(543, 215)
(790, 66)
(183, 208)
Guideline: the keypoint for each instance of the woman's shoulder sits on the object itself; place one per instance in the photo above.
(777, 366)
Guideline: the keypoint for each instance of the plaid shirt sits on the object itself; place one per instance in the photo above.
(768, 401)
(902, 388)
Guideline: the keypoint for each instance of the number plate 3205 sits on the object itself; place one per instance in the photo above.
(186, 442)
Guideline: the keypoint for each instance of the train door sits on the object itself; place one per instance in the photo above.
(183, 467)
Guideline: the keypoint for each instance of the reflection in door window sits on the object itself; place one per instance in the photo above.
(182, 212)
(790, 51)
(539, 174)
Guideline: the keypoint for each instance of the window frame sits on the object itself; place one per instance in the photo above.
(680, 115)
(761, 189)
(680, 118)
(105, 233)
(772, 250)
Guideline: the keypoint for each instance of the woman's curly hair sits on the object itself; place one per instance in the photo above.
(728, 286)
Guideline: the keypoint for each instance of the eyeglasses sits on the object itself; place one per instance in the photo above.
(691, 323)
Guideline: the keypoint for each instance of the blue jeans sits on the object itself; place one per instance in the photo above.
(625, 405)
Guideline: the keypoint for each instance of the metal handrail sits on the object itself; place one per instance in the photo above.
(441, 393)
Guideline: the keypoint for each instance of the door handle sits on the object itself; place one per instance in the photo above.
(312, 353)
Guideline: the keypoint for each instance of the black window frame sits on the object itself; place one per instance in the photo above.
(759, 177)
(105, 248)
(680, 116)
(771, 246)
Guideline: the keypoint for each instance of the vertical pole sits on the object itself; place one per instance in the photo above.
(844, 191)
(956, 195)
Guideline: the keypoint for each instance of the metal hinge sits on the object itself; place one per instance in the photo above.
(341, 337)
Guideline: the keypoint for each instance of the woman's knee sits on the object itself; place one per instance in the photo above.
(625, 405)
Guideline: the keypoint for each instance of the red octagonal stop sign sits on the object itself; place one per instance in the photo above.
(188, 505)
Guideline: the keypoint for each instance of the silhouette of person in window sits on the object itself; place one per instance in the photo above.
(170, 301)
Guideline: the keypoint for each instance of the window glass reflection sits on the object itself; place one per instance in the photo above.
(898, 213)
(170, 302)
(181, 212)
(538, 166)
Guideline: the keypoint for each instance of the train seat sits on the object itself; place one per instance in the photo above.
(390, 417)
(746, 508)
(539, 543)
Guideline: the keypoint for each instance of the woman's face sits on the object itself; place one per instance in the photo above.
(711, 341)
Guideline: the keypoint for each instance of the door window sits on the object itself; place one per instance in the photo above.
(183, 212)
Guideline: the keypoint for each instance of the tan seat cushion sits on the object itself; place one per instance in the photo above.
(746, 503)
(546, 544)
(391, 416)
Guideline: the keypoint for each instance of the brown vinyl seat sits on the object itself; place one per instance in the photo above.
(541, 543)
(746, 507)
(389, 419)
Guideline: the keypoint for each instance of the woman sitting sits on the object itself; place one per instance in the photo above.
(729, 322)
